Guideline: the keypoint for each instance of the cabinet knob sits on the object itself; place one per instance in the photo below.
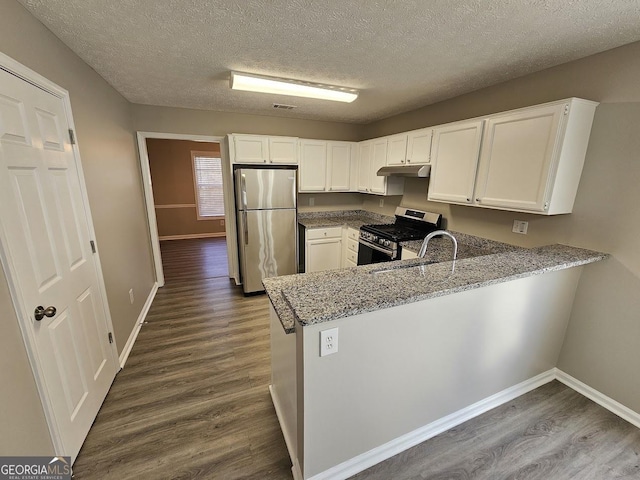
(401, 161)
(408, 160)
(468, 199)
(478, 200)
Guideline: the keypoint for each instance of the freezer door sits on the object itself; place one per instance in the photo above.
(267, 246)
(259, 188)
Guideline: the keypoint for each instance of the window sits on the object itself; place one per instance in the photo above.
(207, 175)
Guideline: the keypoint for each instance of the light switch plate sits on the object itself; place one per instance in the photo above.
(520, 226)
(328, 342)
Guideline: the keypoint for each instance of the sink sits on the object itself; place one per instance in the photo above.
(402, 267)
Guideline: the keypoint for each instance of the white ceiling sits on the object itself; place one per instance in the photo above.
(401, 54)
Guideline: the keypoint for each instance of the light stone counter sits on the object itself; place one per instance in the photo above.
(314, 298)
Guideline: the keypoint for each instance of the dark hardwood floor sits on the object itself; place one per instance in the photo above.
(193, 403)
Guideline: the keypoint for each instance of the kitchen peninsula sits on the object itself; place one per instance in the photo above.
(422, 345)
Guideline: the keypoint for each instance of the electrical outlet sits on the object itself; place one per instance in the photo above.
(312, 201)
(328, 342)
(520, 226)
(131, 298)
(222, 222)
(382, 202)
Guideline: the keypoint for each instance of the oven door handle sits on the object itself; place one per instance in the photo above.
(376, 247)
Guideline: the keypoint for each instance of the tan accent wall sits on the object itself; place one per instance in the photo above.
(149, 118)
(173, 185)
(107, 146)
(603, 339)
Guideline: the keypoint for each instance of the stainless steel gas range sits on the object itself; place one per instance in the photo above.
(381, 243)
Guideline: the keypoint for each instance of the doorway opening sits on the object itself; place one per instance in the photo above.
(187, 199)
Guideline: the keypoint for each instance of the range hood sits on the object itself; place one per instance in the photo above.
(405, 171)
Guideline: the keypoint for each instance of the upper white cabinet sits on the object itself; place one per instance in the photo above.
(372, 156)
(411, 148)
(339, 166)
(419, 146)
(326, 166)
(531, 160)
(454, 153)
(313, 166)
(263, 149)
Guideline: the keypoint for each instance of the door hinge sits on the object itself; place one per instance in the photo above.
(566, 109)
(93, 246)
(72, 137)
(110, 337)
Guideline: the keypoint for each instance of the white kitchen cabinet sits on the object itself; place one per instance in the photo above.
(325, 166)
(364, 166)
(419, 146)
(410, 148)
(372, 157)
(323, 249)
(339, 163)
(313, 166)
(350, 245)
(397, 149)
(454, 155)
(260, 149)
(532, 158)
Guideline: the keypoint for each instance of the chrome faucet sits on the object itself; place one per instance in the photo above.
(423, 249)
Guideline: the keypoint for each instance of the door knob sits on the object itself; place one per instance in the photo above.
(42, 312)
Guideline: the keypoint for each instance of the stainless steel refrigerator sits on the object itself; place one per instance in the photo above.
(267, 223)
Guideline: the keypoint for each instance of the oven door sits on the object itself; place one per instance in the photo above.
(369, 253)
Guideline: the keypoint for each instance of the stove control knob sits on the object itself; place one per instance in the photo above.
(387, 243)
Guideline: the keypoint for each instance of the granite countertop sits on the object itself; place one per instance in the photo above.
(350, 218)
(313, 298)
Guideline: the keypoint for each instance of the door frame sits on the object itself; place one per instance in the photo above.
(23, 313)
(145, 168)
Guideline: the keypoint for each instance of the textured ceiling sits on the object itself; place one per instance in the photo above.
(401, 54)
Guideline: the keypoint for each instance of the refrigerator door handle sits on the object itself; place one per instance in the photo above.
(244, 192)
(246, 227)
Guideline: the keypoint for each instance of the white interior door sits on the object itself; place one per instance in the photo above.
(45, 235)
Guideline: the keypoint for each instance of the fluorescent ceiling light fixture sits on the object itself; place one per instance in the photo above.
(281, 86)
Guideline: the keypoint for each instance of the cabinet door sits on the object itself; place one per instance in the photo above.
(323, 254)
(338, 166)
(313, 166)
(517, 159)
(397, 149)
(251, 149)
(455, 161)
(378, 160)
(364, 166)
(283, 150)
(419, 146)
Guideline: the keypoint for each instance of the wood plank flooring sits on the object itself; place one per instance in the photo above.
(193, 403)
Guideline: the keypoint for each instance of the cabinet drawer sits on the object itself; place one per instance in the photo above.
(352, 257)
(353, 234)
(349, 263)
(316, 233)
(352, 245)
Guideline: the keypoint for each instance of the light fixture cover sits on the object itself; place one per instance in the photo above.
(281, 86)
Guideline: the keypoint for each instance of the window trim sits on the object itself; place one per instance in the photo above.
(198, 153)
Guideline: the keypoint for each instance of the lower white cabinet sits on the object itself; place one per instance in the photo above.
(350, 246)
(323, 249)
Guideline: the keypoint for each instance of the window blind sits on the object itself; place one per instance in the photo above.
(208, 181)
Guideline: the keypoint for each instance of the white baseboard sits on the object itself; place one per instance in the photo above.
(411, 439)
(136, 329)
(192, 235)
(600, 398)
(295, 470)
